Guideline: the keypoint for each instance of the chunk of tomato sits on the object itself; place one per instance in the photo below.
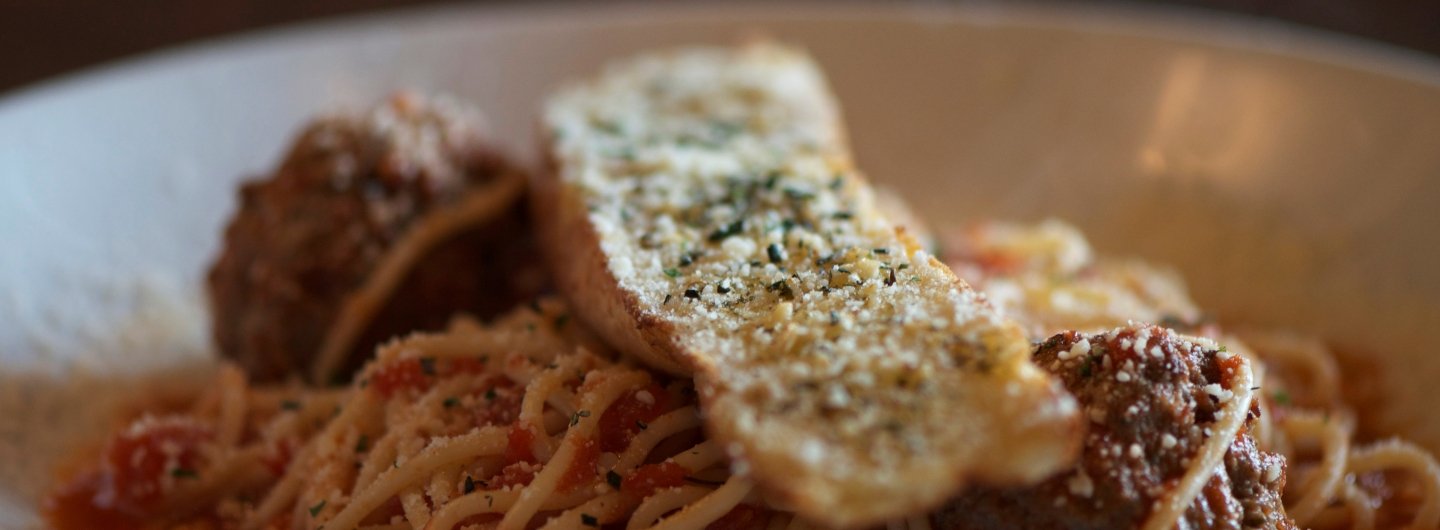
(645, 480)
(143, 460)
(625, 417)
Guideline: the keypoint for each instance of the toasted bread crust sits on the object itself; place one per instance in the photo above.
(578, 267)
(855, 393)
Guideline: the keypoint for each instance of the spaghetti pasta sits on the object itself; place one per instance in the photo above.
(508, 426)
(1347, 474)
(475, 440)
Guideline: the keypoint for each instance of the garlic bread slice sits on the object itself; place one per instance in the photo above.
(702, 213)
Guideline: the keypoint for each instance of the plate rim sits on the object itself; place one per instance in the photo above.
(1177, 24)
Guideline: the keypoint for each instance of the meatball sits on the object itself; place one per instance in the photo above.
(1152, 397)
(351, 189)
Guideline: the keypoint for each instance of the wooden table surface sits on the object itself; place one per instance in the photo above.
(44, 38)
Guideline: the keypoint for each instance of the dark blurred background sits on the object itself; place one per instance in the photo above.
(43, 38)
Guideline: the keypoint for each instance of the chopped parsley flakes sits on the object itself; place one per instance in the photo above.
(575, 418)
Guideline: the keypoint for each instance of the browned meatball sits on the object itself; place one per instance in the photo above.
(1151, 396)
(350, 189)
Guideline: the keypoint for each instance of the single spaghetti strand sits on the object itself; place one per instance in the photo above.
(280, 497)
(1394, 454)
(356, 311)
(1361, 506)
(413, 503)
(1334, 435)
(663, 502)
(233, 403)
(1322, 373)
(699, 457)
(480, 502)
(608, 508)
(1211, 455)
(667, 425)
(697, 515)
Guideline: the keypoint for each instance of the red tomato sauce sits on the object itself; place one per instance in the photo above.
(420, 374)
(741, 517)
(623, 419)
(499, 404)
(521, 446)
(405, 374)
(517, 474)
(130, 482)
(646, 479)
(74, 507)
(467, 365)
(279, 456)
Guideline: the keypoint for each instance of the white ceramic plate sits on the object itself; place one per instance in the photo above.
(1293, 177)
